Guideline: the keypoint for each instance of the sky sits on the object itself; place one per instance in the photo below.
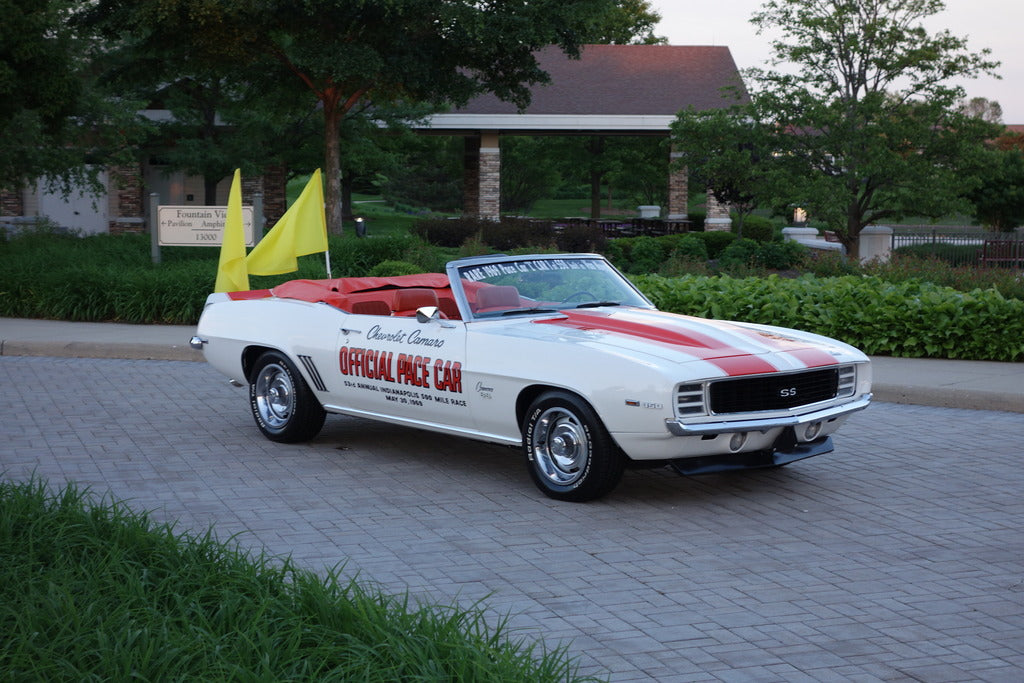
(993, 24)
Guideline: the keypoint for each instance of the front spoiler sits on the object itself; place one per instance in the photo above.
(731, 462)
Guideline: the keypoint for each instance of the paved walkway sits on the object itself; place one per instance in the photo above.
(953, 384)
(899, 557)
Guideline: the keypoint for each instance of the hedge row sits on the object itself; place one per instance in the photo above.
(107, 278)
(906, 319)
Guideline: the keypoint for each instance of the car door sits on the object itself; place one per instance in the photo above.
(401, 367)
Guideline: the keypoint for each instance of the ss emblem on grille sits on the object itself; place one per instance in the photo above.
(787, 392)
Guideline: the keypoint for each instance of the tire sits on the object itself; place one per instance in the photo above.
(282, 403)
(569, 453)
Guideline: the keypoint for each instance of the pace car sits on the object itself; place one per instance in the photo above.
(559, 355)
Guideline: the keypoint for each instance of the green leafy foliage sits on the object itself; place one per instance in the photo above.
(907, 319)
(392, 268)
(860, 125)
(91, 590)
(909, 307)
(508, 233)
(757, 228)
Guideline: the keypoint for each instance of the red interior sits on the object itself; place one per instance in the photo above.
(399, 295)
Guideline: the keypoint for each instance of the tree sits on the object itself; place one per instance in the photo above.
(867, 128)
(441, 52)
(999, 198)
(528, 173)
(342, 55)
(642, 165)
(729, 152)
(983, 108)
(52, 120)
(628, 22)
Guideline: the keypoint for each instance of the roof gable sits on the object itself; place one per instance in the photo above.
(634, 80)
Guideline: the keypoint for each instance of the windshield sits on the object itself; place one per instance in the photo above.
(537, 284)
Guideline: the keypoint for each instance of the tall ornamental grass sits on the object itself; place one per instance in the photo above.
(47, 274)
(91, 591)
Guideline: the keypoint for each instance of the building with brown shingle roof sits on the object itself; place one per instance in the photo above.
(610, 90)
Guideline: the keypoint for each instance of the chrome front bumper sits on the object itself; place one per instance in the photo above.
(678, 428)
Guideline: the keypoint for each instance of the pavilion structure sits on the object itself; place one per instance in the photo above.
(610, 90)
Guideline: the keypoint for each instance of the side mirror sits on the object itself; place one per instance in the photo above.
(425, 314)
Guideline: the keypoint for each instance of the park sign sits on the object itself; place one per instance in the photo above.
(198, 226)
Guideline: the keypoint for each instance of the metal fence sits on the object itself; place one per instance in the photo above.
(959, 245)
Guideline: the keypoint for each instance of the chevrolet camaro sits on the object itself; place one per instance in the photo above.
(559, 355)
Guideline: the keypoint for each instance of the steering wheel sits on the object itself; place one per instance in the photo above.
(582, 294)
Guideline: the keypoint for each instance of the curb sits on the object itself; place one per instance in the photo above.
(969, 399)
(126, 351)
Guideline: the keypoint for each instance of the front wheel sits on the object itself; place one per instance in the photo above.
(282, 403)
(569, 453)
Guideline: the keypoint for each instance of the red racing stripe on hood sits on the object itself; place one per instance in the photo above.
(731, 360)
(808, 355)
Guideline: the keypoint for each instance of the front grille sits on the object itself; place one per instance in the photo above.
(773, 392)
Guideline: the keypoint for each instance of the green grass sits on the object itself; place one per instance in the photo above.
(91, 590)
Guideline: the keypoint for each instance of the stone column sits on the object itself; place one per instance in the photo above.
(490, 176)
(875, 243)
(125, 194)
(12, 203)
(678, 190)
(718, 214)
(275, 200)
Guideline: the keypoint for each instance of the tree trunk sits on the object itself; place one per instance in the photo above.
(852, 238)
(332, 169)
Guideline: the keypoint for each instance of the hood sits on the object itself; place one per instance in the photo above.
(738, 349)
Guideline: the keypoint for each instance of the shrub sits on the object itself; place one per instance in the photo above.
(351, 257)
(757, 228)
(909, 319)
(510, 233)
(581, 239)
(392, 268)
(505, 234)
(447, 232)
(953, 254)
(830, 264)
(780, 255)
(646, 255)
(697, 218)
(740, 252)
(617, 251)
(717, 241)
(690, 246)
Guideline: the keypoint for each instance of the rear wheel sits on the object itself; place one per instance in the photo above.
(282, 403)
(569, 453)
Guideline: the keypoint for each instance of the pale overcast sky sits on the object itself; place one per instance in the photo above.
(993, 24)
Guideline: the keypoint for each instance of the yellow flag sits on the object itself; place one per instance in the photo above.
(302, 230)
(231, 273)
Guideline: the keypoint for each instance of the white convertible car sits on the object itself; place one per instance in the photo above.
(558, 354)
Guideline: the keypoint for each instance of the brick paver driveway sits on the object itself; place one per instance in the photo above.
(898, 557)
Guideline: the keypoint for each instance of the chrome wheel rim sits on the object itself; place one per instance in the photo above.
(275, 396)
(560, 446)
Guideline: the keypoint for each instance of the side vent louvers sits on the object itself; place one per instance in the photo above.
(690, 399)
(847, 381)
(314, 374)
